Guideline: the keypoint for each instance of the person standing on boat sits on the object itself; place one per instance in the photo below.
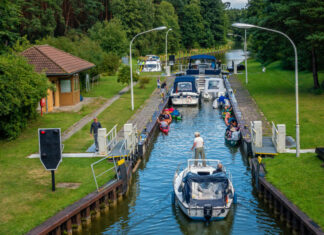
(198, 145)
(94, 129)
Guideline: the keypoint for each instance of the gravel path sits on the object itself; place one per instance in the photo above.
(86, 119)
(248, 106)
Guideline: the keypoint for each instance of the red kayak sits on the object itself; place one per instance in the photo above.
(165, 130)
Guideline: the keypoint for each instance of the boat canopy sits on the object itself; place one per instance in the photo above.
(185, 81)
(205, 189)
(197, 57)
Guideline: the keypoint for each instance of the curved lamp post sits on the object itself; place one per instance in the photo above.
(245, 54)
(166, 47)
(248, 26)
(130, 59)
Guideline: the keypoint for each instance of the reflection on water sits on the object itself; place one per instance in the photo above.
(148, 208)
(235, 55)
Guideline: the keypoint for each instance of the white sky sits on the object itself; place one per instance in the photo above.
(237, 3)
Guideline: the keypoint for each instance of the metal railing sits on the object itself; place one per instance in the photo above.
(275, 134)
(102, 173)
(111, 138)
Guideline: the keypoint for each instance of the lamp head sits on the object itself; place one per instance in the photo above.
(243, 25)
(160, 28)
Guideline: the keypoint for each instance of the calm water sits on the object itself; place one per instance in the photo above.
(148, 208)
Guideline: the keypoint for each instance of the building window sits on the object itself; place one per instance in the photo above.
(65, 86)
(76, 83)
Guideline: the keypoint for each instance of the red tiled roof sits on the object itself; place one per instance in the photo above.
(54, 61)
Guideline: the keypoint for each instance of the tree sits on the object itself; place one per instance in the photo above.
(124, 75)
(111, 36)
(165, 15)
(215, 19)
(300, 20)
(9, 24)
(136, 16)
(192, 25)
(21, 89)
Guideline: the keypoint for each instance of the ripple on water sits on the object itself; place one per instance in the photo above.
(148, 209)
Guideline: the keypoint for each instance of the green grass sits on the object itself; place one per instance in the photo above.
(301, 180)
(106, 88)
(274, 92)
(118, 113)
(26, 199)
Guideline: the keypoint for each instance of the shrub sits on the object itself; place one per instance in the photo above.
(143, 81)
(110, 64)
(21, 88)
(124, 75)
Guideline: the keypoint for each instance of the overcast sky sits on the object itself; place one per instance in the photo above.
(237, 3)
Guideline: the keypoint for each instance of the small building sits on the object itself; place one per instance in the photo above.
(62, 70)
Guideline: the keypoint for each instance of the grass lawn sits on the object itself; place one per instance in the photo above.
(274, 92)
(301, 180)
(118, 113)
(26, 199)
(106, 88)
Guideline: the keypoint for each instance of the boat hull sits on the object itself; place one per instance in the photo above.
(198, 213)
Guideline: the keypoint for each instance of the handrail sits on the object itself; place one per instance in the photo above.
(102, 173)
(111, 138)
(275, 134)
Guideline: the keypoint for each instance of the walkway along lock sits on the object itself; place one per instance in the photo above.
(50, 149)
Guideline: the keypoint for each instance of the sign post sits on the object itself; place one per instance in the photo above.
(50, 150)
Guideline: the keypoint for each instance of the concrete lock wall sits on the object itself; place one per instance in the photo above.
(258, 133)
(281, 138)
(102, 141)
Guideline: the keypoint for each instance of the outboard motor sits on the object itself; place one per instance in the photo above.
(208, 211)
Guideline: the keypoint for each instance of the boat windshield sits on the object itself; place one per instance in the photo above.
(213, 84)
(151, 66)
(207, 190)
(184, 86)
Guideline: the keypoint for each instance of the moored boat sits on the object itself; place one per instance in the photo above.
(204, 190)
(184, 91)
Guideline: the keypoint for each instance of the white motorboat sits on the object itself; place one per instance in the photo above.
(204, 192)
(214, 88)
(184, 91)
(152, 66)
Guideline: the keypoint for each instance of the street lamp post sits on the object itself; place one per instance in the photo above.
(248, 26)
(130, 59)
(245, 53)
(166, 48)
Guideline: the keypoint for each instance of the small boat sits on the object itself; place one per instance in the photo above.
(184, 91)
(164, 130)
(152, 65)
(214, 88)
(176, 115)
(222, 101)
(232, 136)
(203, 64)
(203, 191)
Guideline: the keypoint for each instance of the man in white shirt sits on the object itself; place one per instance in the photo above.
(198, 145)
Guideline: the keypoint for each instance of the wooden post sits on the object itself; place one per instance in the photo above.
(88, 215)
(69, 227)
(97, 209)
(58, 230)
(78, 222)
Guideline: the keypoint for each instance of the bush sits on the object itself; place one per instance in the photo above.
(21, 88)
(110, 64)
(143, 81)
(124, 75)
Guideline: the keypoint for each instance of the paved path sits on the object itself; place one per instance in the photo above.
(86, 119)
(248, 106)
(144, 114)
